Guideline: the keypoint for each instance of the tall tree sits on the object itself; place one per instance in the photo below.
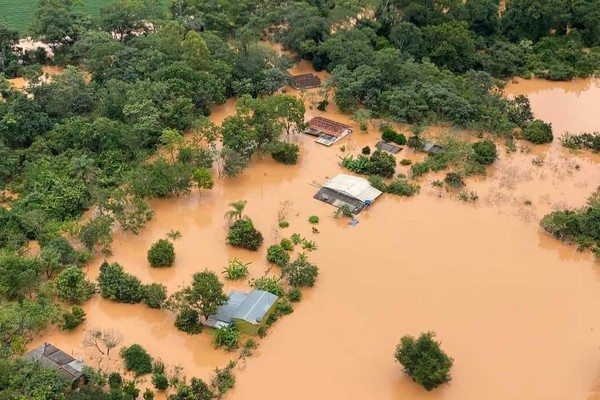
(204, 295)
(56, 22)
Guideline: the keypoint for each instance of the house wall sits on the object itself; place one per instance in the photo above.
(252, 329)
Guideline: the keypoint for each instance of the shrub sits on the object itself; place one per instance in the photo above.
(313, 219)
(223, 380)
(137, 359)
(405, 162)
(309, 245)
(377, 182)
(343, 211)
(322, 106)
(277, 255)
(294, 295)
(160, 381)
(418, 169)
(286, 153)
(73, 319)
(227, 337)
(286, 244)
(236, 269)
(268, 284)
(296, 238)
(284, 307)
(538, 132)
(284, 224)
(366, 150)
(454, 180)
(382, 164)
(155, 294)
(148, 394)
(188, 321)
(115, 380)
(403, 187)
(415, 142)
(424, 361)
(390, 135)
(484, 152)
(71, 286)
(119, 286)
(301, 272)
(243, 234)
(161, 254)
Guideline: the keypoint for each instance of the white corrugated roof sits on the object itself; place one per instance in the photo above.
(353, 186)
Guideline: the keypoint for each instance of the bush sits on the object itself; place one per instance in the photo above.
(454, 180)
(115, 380)
(188, 321)
(286, 244)
(277, 255)
(301, 272)
(418, 169)
(73, 319)
(155, 294)
(366, 150)
(382, 164)
(402, 187)
(227, 337)
(71, 286)
(284, 224)
(161, 254)
(148, 394)
(294, 295)
(377, 182)
(415, 142)
(137, 359)
(390, 135)
(424, 361)
(160, 381)
(236, 269)
(538, 132)
(119, 286)
(313, 219)
(484, 152)
(243, 234)
(286, 153)
(405, 162)
(322, 106)
(284, 307)
(223, 380)
(268, 284)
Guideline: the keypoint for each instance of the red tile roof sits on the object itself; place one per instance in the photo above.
(327, 126)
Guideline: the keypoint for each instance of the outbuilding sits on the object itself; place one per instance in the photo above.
(52, 357)
(305, 81)
(432, 148)
(248, 312)
(326, 130)
(355, 192)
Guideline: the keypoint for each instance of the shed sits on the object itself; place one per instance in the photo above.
(247, 311)
(432, 148)
(327, 131)
(305, 81)
(52, 357)
(390, 148)
(353, 191)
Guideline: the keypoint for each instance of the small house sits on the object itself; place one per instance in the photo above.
(50, 356)
(432, 148)
(326, 130)
(305, 81)
(355, 192)
(390, 148)
(248, 312)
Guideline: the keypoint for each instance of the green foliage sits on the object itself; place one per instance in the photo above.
(379, 163)
(223, 379)
(161, 254)
(296, 238)
(377, 182)
(72, 319)
(454, 180)
(196, 390)
(343, 211)
(160, 381)
(268, 284)
(203, 178)
(243, 234)
(155, 295)
(137, 359)
(309, 245)
(188, 321)
(276, 254)
(284, 307)
(366, 150)
(484, 152)
(71, 286)
(236, 269)
(286, 244)
(228, 337)
(538, 132)
(424, 361)
(582, 141)
(405, 162)
(402, 187)
(390, 135)
(313, 219)
(148, 394)
(19, 276)
(204, 295)
(301, 273)
(115, 380)
(285, 153)
(284, 224)
(27, 379)
(115, 284)
(294, 295)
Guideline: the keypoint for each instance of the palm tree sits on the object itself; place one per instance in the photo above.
(237, 209)
(174, 235)
(83, 167)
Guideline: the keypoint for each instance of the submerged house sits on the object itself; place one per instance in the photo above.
(327, 131)
(390, 148)
(305, 81)
(432, 148)
(52, 357)
(248, 312)
(353, 191)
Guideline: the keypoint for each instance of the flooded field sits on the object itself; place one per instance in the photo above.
(516, 309)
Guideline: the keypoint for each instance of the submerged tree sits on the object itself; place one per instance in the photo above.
(102, 340)
(204, 295)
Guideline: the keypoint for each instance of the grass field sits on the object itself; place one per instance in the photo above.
(17, 14)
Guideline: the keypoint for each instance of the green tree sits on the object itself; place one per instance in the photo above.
(484, 152)
(124, 17)
(286, 153)
(115, 284)
(56, 21)
(424, 361)
(204, 295)
(97, 232)
(277, 255)
(19, 276)
(155, 295)
(137, 359)
(538, 132)
(242, 233)
(451, 45)
(72, 319)
(237, 210)
(71, 286)
(203, 178)
(301, 272)
(161, 254)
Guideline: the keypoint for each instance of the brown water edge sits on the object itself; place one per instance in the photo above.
(514, 307)
(48, 72)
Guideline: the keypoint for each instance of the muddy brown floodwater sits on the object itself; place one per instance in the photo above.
(516, 309)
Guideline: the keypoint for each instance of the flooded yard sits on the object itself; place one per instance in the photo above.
(515, 308)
